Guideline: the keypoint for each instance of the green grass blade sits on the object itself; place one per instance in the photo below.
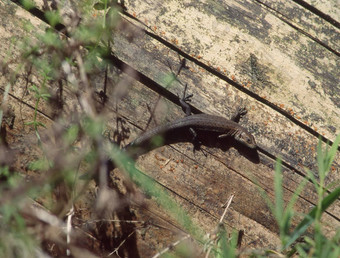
(311, 176)
(332, 152)
(320, 158)
(279, 206)
(311, 216)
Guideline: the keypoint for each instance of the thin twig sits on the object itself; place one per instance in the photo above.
(117, 248)
(171, 246)
(226, 208)
(219, 223)
(69, 229)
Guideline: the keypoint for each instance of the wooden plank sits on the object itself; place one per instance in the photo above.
(220, 95)
(154, 56)
(186, 182)
(307, 22)
(328, 8)
(287, 118)
(202, 183)
(245, 33)
(187, 186)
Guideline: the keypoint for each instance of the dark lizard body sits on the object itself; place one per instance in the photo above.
(192, 128)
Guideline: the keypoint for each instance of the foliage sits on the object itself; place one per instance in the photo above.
(318, 245)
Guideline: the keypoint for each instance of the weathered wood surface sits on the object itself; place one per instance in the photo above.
(273, 69)
(327, 9)
(282, 65)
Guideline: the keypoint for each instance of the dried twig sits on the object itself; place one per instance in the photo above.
(171, 246)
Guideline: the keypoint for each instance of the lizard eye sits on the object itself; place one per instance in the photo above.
(248, 140)
(245, 138)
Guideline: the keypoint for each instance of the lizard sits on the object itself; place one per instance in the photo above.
(192, 127)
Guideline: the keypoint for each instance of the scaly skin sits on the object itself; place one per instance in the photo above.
(192, 126)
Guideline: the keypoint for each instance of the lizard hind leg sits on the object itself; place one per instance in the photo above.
(184, 100)
(197, 147)
(196, 143)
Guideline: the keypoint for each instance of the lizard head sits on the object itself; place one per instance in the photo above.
(246, 138)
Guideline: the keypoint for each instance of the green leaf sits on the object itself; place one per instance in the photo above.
(94, 128)
(71, 134)
(222, 243)
(30, 123)
(320, 158)
(289, 211)
(226, 245)
(53, 17)
(28, 4)
(38, 165)
(40, 124)
(325, 158)
(312, 177)
(332, 153)
(45, 96)
(99, 6)
(34, 88)
(50, 38)
(4, 171)
(168, 79)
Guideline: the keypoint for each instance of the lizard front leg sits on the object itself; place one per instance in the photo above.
(187, 109)
(239, 113)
